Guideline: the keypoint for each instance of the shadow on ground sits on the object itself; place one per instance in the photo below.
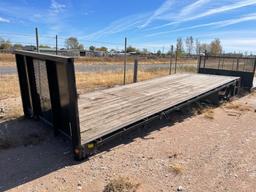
(29, 150)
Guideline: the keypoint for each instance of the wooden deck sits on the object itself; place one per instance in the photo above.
(105, 111)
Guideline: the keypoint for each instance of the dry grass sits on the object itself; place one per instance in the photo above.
(91, 81)
(12, 113)
(7, 60)
(238, 107)
(121, 185)
(209, 113)
(130, 60)
(176, 168)
(9, 86)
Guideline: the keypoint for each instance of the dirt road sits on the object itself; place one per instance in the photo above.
(213, 151)
(99, 68)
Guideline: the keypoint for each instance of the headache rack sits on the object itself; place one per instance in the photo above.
(237, 66)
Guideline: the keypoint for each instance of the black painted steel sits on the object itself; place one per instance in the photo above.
(243, 67)
(48, 91)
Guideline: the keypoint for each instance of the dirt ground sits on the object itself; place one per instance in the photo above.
(212, 151)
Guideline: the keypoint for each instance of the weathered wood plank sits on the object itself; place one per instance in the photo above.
(108, 110)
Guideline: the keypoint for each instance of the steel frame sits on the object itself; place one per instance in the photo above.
(64, 99)
(62, 88)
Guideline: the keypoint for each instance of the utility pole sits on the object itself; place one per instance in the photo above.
(56, 44)
(171, 54)
(125, 58)
(37, 41)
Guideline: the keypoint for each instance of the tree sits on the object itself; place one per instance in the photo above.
(215, 47)
(158, 52)
(44, 46)
(81, 47)
(144, 51)
(5, 44)
(205, 47)
(18, 46)
(179, 47)
(189, 44)
(72, 43)
(105, 49)
(131, 49)
(92, 48)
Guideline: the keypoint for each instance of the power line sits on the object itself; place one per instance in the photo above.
(53, 37)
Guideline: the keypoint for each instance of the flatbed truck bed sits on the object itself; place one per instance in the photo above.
(107, 111)
(49, 93)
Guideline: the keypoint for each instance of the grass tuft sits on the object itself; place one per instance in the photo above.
(209, 114)
(176, 168)
(238, 107)
(121, 185)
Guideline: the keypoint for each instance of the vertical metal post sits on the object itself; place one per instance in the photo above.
(237, 64)
(56, 44)
(37, 41)
(176, 58)
(205, 53)
(245, 61)
(125, 58)
(223, 61)
(233, 64)
(24, 85)
(135, 70)
(199, 63)
(219, 62)
(199, 60)
(171, 53)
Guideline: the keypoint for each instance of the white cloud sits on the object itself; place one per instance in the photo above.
(3, 20)
(120, 25)
(56, 7)
(161, 10)
(250, 17)
(192, 7)
(213, 11)
(226, 8)
(217, 24)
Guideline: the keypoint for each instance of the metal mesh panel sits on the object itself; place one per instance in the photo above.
(42, 88)
(230, 64)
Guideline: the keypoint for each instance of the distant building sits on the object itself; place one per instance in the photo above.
(65, 52)
(29, 48)
(87, 53)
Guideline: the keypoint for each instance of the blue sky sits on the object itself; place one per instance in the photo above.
(153, 24)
